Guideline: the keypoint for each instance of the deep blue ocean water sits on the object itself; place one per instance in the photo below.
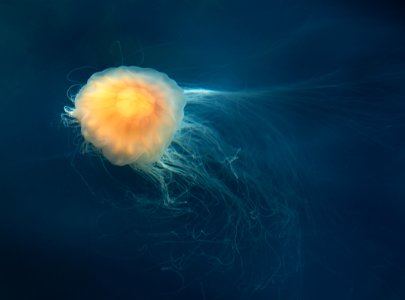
(67, 230)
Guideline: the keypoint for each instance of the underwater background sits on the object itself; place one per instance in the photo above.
(68, 229)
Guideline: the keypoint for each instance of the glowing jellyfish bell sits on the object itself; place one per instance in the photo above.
(129, 113)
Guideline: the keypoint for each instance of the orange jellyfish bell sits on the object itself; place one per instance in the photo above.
(129, 113)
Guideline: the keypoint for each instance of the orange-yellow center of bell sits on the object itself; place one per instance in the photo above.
(135, 102)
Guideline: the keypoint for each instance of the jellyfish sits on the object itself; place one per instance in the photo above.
(220, 195)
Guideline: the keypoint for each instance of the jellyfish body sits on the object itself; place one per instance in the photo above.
(129, 113)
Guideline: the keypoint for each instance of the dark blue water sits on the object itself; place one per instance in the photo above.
(68, 232)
